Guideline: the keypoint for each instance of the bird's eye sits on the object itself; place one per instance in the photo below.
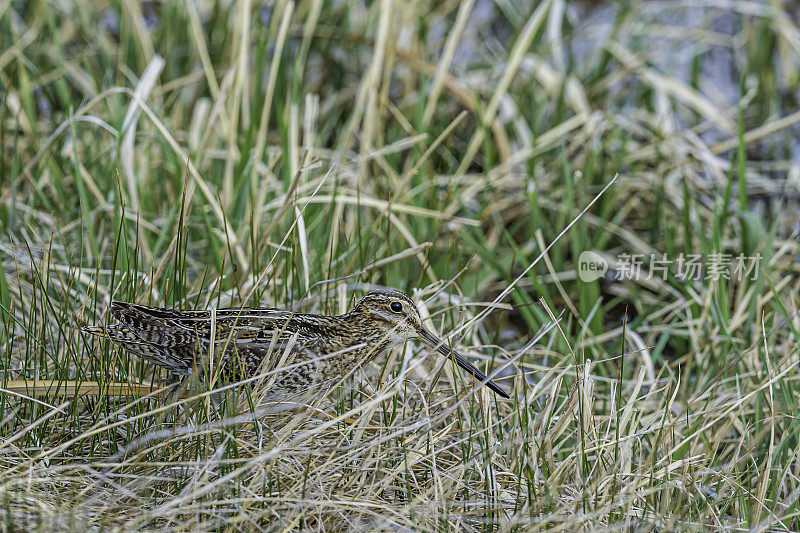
(396, 307)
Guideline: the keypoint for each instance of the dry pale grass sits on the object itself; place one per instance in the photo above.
(211, 154)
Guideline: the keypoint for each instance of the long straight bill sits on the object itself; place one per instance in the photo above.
(440, 347)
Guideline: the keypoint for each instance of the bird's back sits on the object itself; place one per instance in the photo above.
(177, 340)
(246, 339)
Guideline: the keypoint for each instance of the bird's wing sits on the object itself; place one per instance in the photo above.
(243, 337)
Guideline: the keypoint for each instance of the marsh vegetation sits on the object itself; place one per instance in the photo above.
(295, 154)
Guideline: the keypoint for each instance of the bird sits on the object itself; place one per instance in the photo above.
(299, 352)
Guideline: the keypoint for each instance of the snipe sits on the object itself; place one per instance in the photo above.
(305, 351)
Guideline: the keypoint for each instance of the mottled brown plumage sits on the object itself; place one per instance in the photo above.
(307, 350)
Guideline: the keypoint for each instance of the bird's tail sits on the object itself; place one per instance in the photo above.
(112, 331)
(146, 337)
(98, 331)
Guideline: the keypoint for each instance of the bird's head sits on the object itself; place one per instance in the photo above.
(395, 317)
